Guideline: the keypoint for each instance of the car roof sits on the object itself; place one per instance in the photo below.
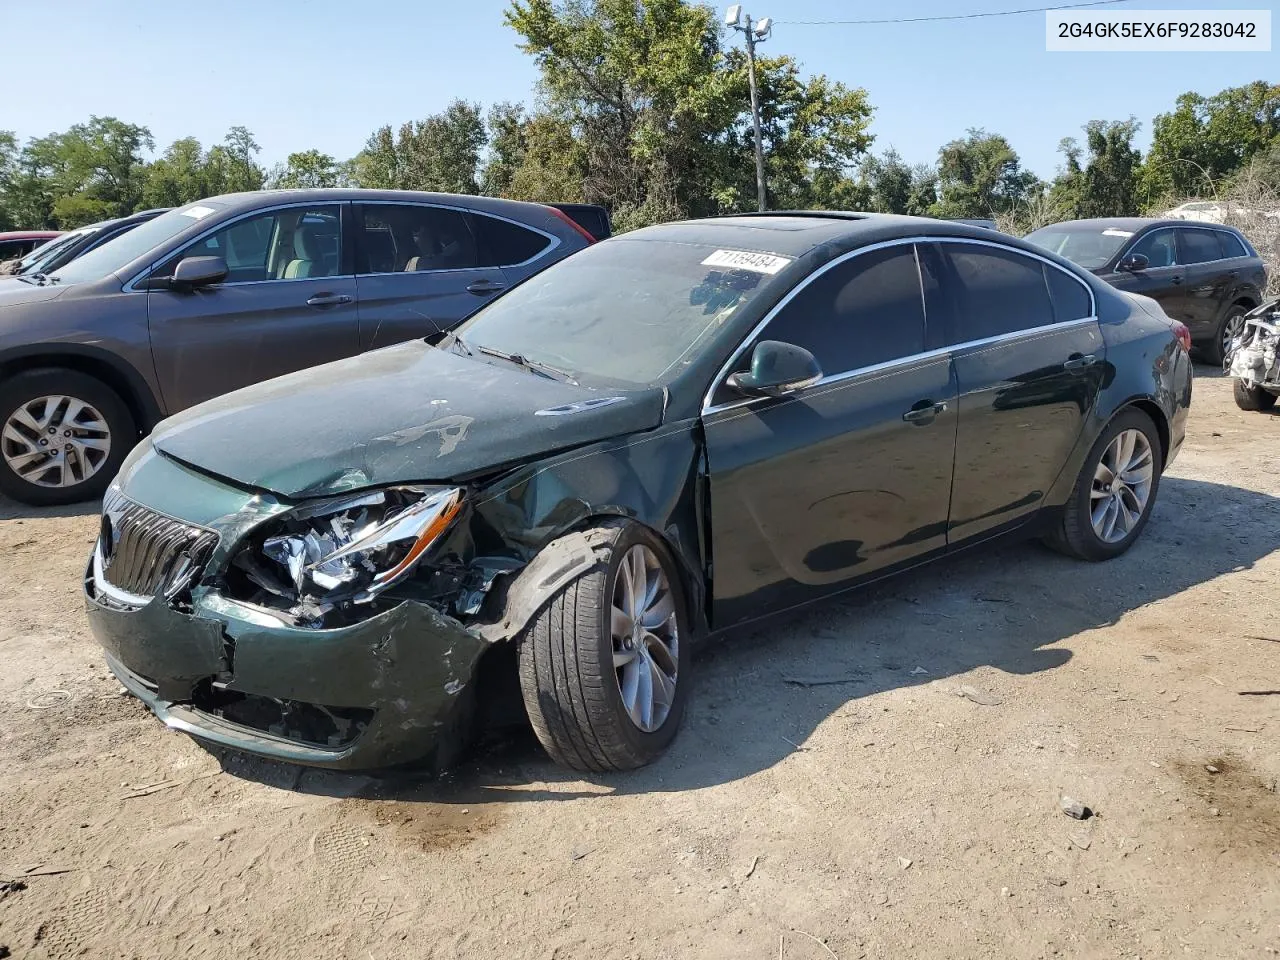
(252, 200)
(1134, 224)
(794, 233)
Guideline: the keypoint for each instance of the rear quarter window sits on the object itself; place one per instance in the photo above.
(1232, 246)
(1070, 298)
(505, 244)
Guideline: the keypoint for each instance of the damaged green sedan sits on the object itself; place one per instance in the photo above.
(670, 434)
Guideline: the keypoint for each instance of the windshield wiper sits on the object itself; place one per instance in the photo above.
(43, 278)
(533, 366)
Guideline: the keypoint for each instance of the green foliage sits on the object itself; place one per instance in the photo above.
(1108, 184)
(305, 170)
(981, 176)
(439, 153)
(894, 186)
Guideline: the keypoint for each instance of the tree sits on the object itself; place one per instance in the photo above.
(304, 170)
(1207, 139)
(232, 167)
(8, 171)
(894, 186)
(507, 148)
(101, 170)
(981, 176)
(179, 177)
(440, 152)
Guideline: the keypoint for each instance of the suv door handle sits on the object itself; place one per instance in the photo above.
(924, 411)
(481, 287)
(1079, 362)
(328, 299)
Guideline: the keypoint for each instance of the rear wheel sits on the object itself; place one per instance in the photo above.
(604, 665)
(1115, 491)
(1252, 398)
(62, 437)
(1232, 326)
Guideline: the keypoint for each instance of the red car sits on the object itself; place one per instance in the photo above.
(18, 243)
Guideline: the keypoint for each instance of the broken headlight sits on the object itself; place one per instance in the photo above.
(348, 549)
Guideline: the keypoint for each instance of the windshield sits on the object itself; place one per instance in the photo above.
(120, 251)
(623, 311)
(46, 252)
(1092, 247)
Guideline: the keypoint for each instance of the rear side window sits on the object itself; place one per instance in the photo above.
(1232, 247)
(1070, 298)
(397, 238)
(865, 311)
(505, 244)
(997, 292)
(1200, 246)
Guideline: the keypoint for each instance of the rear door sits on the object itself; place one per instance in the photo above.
(1028, 359)
(850, 476)
(288, 302)
(1163, 279)
(419, 271)
(1208, 280)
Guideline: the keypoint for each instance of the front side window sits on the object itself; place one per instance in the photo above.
(408, 239)
(297, 243)
(866, 310)
(1158, 247)
(1200, 246)
(997, 292)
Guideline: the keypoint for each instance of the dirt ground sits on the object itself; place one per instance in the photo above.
(911, 810)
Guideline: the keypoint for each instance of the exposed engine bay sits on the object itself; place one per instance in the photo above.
(1254, 356)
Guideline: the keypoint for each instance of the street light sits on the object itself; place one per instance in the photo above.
(756, 32)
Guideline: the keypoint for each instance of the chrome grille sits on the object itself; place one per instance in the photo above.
(143, 552)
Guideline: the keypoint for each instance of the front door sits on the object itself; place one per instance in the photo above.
(419, 272)
(1163, 279)
(288, 302)
(814, 491)
(1028, 358)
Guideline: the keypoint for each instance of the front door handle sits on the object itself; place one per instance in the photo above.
(1079, 362)
(483, 287)
(328, 299)
(924, 411)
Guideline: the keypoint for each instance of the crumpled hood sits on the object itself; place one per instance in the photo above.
(15, 292)
(408, 413)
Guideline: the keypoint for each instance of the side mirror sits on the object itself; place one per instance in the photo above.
(777, 369)
(192, 272)
(1133, 263)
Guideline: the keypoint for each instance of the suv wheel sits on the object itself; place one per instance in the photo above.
(604, 666)
(1232, 326)
(63, 435)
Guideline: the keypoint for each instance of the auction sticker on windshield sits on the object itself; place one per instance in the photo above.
(745, 260)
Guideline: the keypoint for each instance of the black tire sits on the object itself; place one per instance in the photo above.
(1074, 534)
(1214, 352)
(1252, 398)
(29, 385)
(567, 677)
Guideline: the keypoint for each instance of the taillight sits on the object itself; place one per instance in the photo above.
(1182, 333)
(573, 223)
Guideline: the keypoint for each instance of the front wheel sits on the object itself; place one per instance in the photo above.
(1252, 397)
(1115, 491)
(604, 665)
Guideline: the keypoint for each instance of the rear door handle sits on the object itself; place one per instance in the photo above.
(924, 411)
(328, 299)
(482, 287)
(1080, 362)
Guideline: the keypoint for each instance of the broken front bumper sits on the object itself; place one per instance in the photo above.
(380, 692)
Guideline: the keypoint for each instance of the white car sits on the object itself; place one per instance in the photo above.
(1212, 211)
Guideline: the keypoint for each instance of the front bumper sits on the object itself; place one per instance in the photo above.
(378, 693)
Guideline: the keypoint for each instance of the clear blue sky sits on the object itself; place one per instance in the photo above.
(325, 73)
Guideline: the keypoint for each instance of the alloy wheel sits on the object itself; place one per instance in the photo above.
(1232, 328)
(1121, 486)
(645, 634)
(55, 441)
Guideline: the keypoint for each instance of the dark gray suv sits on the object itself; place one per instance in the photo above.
(230, 291)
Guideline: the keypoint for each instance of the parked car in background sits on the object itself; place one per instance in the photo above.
(592, 218)
(975, 222)
(1214, 211)
(673, 433)
(16, 244)
(78, 242)
(1206, 276)
(232, 290)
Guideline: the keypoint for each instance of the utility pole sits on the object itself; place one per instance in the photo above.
(756, 32)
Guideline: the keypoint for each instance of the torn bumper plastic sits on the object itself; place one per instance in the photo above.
(374, 694)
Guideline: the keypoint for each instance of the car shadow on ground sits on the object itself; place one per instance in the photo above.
(13, 510)
(756, 697)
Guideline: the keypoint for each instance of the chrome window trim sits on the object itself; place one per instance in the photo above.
(553, 245)
(131, 288)
(708, 407)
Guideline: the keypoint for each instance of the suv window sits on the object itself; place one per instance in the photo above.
(867, 310)
(297, 243)
(1158, 248)
(504, 244)
(1200, 246)
(398, 238)
(1070, 298)
(997, 292)
(1232, 247)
